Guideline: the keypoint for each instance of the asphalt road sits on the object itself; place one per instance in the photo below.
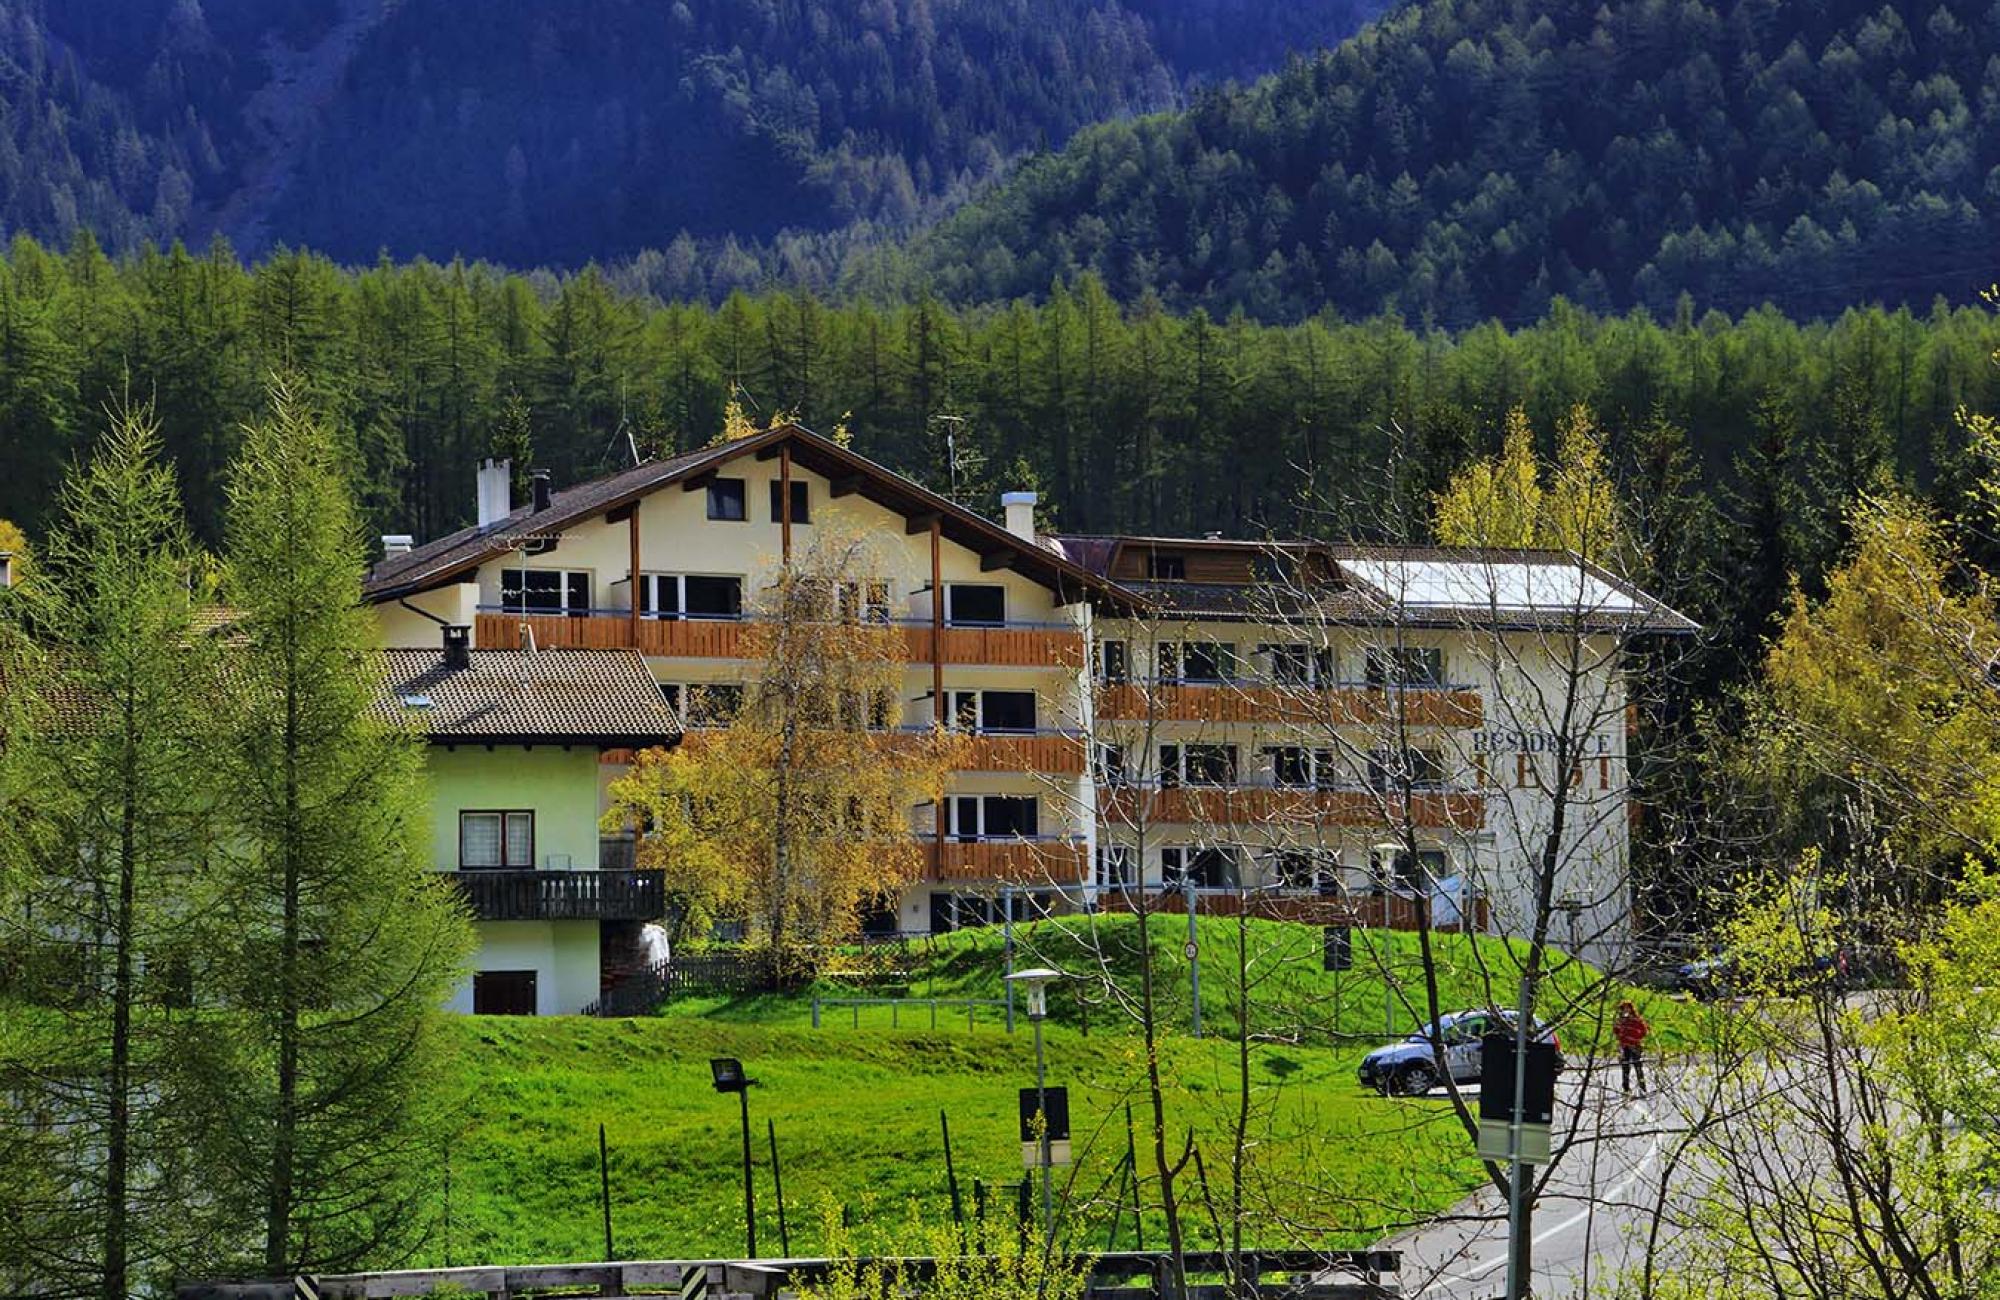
(1592, 1219)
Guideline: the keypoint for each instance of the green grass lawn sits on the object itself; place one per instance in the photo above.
(1291, 995)
(857, 1110)
(857, 1117)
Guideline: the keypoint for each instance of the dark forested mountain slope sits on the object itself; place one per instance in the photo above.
(1466, 158)
(538, 131)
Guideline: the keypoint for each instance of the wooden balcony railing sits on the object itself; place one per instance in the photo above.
(1339, 706)
(1370, 911)
(563, 895)
(1009, 861)
(1461, 810)
(1028, 645)
(1023, 645)
(693, 638)
(1042, 753)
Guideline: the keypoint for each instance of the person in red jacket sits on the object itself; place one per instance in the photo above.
(1630, 1029)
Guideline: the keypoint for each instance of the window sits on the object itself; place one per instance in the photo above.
(1111, 768)
(677, 595)
(994, 816)
(545, 591)
(503, 993)
(800, 499)
(1168, 568)
(1390, 769)
(1114, 663)
(1211, 867)
(1299, 665)
(1396, 868)
(714, 597)
(1197, 661)
(713, 704)
(725, 499)
(993, 710)
(864, 602)
(1303, 870)
(1117, 866)
(970, 604)
(1197, 765)
(1405, 666)
(1298, 768)
(1271, 567)
(958, 911)
(494, 840)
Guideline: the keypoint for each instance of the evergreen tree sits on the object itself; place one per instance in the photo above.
(331, 1078)
(106, 782)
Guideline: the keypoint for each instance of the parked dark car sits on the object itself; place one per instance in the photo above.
(1409, 1068)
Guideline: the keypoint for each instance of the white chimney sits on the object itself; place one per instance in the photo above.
(1020, 508)
(496, 494)
(6, 568)
(394, 544)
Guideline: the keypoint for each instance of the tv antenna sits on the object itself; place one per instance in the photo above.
(958, 461)
(624, 430)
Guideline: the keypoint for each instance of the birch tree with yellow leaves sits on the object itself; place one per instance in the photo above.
(795, 818)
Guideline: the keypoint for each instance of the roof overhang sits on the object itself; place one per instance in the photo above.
(849, 473)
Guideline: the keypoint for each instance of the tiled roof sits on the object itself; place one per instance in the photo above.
(523, 696)
(411, 570)
(440, 561)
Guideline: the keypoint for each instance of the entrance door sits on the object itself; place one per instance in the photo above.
(503, 993)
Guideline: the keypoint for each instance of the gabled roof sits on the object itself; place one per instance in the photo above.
(571, 697)
(445, 559)
(1409, 585)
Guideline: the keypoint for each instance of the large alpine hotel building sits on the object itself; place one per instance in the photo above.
(1310, 731)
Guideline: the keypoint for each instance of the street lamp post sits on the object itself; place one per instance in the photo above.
(729, 1077)
(1036, 981)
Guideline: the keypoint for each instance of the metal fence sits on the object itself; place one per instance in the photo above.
(917, 1005)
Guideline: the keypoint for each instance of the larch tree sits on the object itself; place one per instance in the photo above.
(796, 816)
(334, 942)
(105, 823)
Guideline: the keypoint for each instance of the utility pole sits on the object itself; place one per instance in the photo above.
(1518, 1209)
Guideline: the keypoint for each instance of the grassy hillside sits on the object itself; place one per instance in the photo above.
(1290, 992)
(857, 1121)
(857, 1109)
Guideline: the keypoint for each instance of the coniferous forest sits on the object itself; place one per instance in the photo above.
(1740, 441)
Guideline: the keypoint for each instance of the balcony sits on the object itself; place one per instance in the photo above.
(1247, 805)
(563, 895)
(1013, 644)
(1339, 705)
(680, 638)
(1008, 860)
(1042, 752)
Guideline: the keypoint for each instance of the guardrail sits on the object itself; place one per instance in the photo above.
(1114, 1275)
(895, 1006)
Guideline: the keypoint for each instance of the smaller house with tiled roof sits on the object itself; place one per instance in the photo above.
(515, 738)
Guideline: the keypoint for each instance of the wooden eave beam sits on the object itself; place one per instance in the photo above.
(847, 485)
(620, 514)
(921, 523)
(771, 452)
(698, 482)
(994, 560)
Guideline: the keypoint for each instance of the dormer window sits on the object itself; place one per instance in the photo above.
(1166, 568)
